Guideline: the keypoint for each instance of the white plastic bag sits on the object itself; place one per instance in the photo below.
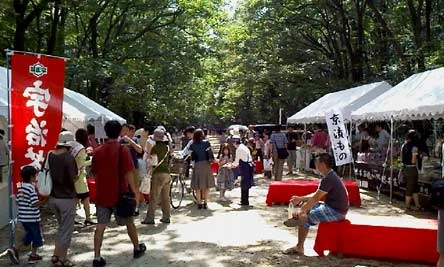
(44, 180)
(268, 164)
(145, 185)
(291, 210)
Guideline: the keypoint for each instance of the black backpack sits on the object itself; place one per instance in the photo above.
(437, 193)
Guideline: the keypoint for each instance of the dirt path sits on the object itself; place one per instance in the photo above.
(223, 235)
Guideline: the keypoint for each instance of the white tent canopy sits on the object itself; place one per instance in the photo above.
(78, 110)
(345, 101)
(421, 96)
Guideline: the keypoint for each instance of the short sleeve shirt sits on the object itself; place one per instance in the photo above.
(26, 199)
(200, 150)
(337, 196)
(279, 140)
(63, 169)
(133, 152)
(292, 137)
(161, 150)
(105, 168)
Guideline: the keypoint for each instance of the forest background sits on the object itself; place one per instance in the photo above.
(215, 62)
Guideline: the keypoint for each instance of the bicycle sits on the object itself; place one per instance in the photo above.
(178, 168)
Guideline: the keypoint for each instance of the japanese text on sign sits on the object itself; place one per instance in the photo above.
(338, 137)
(36, 109)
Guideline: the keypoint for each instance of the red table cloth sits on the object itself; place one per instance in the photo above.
(258, 166)
(92, 189)
(282, 191)
(214, 167)
(378, 237)
(93, 194)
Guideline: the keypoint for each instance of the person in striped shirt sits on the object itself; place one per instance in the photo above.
(28, 205)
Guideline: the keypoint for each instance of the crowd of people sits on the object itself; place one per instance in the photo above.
(127, 156)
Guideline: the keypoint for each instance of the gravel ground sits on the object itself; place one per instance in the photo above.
(223, 235)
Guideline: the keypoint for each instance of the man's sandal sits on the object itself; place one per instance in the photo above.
(54, 259)
(292, 251)
(68, 263)
(292, 222)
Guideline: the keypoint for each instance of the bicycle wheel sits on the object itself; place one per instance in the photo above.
(194, 196)
(177, 189)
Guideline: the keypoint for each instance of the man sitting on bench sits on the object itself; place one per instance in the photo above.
(312, 212)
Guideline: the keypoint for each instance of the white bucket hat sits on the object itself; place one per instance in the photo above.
(66, 138)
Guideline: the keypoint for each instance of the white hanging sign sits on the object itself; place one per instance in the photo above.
(338, 137)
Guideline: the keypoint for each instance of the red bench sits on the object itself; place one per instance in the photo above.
(282, 191)
(401, 239)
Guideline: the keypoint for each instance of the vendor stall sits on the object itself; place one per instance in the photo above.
(345, 101)
(415, 103)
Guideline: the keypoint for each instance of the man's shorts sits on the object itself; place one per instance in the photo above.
(137, 178)
(104, 216)
(83, 196)
(323, 213)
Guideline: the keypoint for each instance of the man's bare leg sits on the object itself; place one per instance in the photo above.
(440, 261)
(98, 239)
(302, 235)
(132, 233)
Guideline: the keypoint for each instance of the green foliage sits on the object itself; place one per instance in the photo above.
(180, 62)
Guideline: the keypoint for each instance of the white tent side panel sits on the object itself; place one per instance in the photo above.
(78, 110)
(421, 96)
(345, 101)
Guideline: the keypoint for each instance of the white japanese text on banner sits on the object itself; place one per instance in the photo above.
(338, 137)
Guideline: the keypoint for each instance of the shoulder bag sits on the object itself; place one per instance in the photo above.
(126, 204)
(145, 185)
(282, 152)
(44, 180)
(210, 154)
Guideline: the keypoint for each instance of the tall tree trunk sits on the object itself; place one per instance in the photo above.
(53, 32)
(415, 20)
(22, 21)
(60, 43)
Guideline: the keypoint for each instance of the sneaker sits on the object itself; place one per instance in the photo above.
(136, 213)
(205, 206)
(34, 258)
(139, 251)
(199, 206)
(89, 222)
(100, 262)
(292, 222)
(165, 220)
(13, 255)
(146, 221)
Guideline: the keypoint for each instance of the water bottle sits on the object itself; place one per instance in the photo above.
(290, 210)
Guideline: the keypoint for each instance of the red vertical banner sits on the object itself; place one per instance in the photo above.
(37, 84)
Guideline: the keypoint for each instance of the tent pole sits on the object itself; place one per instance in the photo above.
(391, 158)
(305, 146)
(10, 184)
(350, 136)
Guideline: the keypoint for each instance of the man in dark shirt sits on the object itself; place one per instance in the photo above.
(312, 212)
(129, 139)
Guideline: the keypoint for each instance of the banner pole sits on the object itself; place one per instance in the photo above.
(391, 157)
(10, 192)
(35, 54)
